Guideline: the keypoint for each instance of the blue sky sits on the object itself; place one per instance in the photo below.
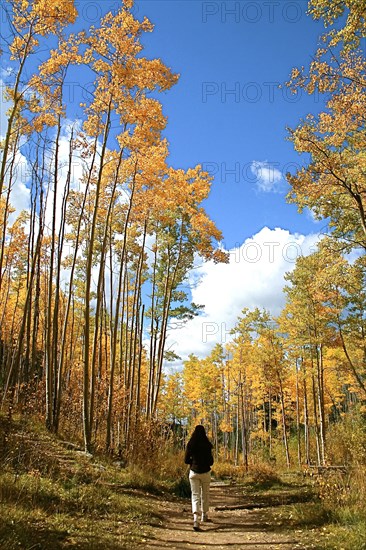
(227, 111)
(228, 114)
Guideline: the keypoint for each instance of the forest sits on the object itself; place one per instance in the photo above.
(94, 268)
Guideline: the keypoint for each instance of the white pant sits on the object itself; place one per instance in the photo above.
(200, 485)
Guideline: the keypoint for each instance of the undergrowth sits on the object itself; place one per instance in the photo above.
(53, 498)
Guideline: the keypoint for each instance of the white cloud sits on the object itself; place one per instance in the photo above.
(75, 175)
(253, 278)
(267, 175)
(20, 192)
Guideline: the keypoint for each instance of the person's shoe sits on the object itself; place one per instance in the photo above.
(205, 518)
(196, 526)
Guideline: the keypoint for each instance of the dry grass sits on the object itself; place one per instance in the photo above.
(55, 498)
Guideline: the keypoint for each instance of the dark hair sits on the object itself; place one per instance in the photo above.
(199, 437)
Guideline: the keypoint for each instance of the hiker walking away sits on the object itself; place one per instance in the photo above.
(199, 456)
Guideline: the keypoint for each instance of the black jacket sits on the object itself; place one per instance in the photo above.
(199, 457)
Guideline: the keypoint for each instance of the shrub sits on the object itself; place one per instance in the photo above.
(226, 470)
(181, 487)
(263, 474)
(346, 440)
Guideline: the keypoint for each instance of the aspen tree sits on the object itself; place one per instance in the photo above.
(332, 182)
(112, 52)
(83, 316)
(353, 14)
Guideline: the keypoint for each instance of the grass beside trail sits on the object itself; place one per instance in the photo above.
(37, 512)
(294, 504)
(52, 497)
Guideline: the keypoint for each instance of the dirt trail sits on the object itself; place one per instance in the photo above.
(233, 526)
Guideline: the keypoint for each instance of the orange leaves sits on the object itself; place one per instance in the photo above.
(22, 46)
(220, 256)
(124, 173)
(154, 71)
(352, 29)
(124, 80)
(118, 36)
(53, 13)
(66, 54)
(177, 197)
(43, 16)
(333, 183)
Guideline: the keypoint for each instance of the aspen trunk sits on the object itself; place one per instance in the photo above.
(298, 417)
(14, 111)
(306, 417)
(88, 377)
(270, 421)
(320, 379)
(244, 433)
(121, 294)
(284, 424)
(57, 379)
(316, 423)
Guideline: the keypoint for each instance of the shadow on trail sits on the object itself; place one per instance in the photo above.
(184, 544)
(239, 519)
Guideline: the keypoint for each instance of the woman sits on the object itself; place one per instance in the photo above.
(199, 456)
